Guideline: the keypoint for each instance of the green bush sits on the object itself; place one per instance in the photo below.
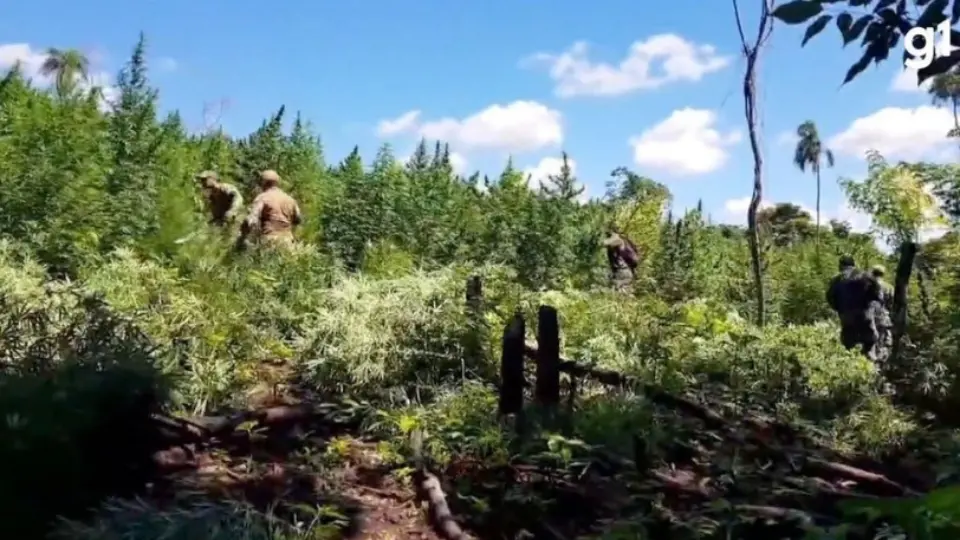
(77, 388)
(118, 300)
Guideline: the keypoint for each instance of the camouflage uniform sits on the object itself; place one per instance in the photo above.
(850, 294)
(223, 200)
(881, 315)
(621, 255)
(273, 214)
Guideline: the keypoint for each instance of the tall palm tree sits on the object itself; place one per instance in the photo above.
(811, 153)
(945, 90)
(67, 66)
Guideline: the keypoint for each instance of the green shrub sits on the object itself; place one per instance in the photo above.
(196, 519)
(77, 390)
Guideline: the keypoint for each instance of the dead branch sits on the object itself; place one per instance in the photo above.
(213, 114)
(822, 489)
(678, 486)
(179, 429)
(429, 489)
(201, 429)
(878, 481)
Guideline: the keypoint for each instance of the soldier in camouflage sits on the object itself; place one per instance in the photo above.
(886, 291)
(223, 200)
(621, 254)
(851, 295)
(881, 313)
(273, 214)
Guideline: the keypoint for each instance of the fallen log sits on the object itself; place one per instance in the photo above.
(441, 518)
(678, 485)
(199, 429)
(881, 483)
(178, 430)
(428, 490)
(819, 487)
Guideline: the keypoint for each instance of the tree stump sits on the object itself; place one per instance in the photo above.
(511, 366)
(547, 389)
(908, 251)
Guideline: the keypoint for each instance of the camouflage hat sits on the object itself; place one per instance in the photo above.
(206, 175)
(878, 270)
(847, 261)
(269, 177)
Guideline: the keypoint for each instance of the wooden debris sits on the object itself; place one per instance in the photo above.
(430, 491)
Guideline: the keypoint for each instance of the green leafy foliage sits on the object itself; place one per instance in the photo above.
(74, 375)
(109, 315)
(881, 28)
(898, 197)
(800, 11)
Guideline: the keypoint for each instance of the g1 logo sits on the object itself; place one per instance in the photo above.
(921, 57)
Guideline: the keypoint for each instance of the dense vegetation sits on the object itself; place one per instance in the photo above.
(110, 319)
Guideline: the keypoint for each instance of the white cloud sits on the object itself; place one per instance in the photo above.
(31, 61)
(166, 63)
(520, 126)
(661, 59)
(859, 221)
(538, 174)
(401, 124)
(897, 133)
(735, 210)
(906, 81)
(787, 139)
(458, 162)
(685, 144)
(108, 92)
(932, 233)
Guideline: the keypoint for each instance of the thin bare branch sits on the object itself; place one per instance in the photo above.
(751, 53)
(213, 114)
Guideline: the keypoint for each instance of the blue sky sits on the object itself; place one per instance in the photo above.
(348, 67)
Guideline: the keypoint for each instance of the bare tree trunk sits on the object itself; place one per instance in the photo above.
(817, 170)
(751, 53)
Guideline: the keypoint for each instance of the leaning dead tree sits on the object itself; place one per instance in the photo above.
(751, 54)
